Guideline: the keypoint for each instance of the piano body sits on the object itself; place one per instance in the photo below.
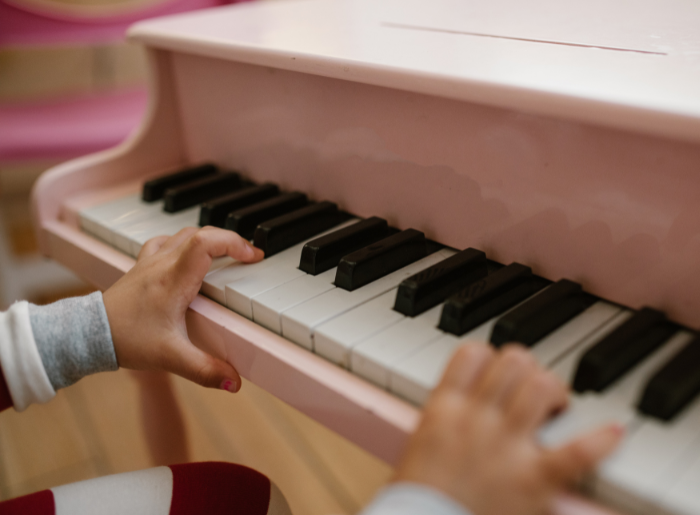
(562, 135)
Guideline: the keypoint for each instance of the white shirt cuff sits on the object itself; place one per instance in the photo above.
(413, 499)
(21, 363)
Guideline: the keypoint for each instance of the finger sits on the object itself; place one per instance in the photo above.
(152, 246)
(202, 368)
(505, 374)
(569, 463)
(211, 242)
(178, 238)
(541, 394)
(465, 367)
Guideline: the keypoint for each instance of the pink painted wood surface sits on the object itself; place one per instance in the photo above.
(563, 60)
(616, 211)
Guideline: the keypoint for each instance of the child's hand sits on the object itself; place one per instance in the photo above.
(477, 444)
(146, 308)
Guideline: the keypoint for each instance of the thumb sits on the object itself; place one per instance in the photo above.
(204, 369)
(570, 462)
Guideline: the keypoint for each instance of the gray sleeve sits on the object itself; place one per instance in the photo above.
(413, 499)
(73, 338)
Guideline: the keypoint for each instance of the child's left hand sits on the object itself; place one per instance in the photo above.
(146, 308)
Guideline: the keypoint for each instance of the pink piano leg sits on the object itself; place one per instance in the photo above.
(162, 419)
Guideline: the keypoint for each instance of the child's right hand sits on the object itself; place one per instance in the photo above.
(477, 439)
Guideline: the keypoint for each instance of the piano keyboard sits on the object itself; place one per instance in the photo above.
(392, 307)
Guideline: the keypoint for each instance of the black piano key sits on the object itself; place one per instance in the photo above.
(214, 212)
(537, 317)
(193, 193)
(324, 253)
(489, 297)
(379, 259)
(622, 349)
(433, 285)
(675, 385)
(244, 221)
(155, 188)
(280, 233)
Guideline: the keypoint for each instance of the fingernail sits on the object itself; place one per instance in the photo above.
(605, 442)
(230, 385)
(249, 251)
(617, 429)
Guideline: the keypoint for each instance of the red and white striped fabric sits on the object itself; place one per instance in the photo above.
(210, 488)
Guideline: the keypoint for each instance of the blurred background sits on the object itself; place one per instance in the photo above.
(70, 85)
(62, 68)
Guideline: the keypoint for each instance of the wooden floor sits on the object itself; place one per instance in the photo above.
(93, 428)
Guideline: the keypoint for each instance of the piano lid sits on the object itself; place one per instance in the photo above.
(628, 64)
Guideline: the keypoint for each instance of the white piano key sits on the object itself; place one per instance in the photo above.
(177, 222)
(122, 239)
(131, 209)
(615, 404)
(239, 294)
(683, 498)
(655, 453)
(587, 411)
(299, 323)
(409, 379)
(89, 218)
(584, 413)
(147, 212)
(334, 339)
(220, 262)
(111, 209)
(267, 308)
(650, 460)
(565, 366)
(214, 285)
(100, 220)
(151, 213)
(414, 377)
(414, 382)
(562, 340)
(108, 218)
(374, 357)
(129, 239)
(92, 227)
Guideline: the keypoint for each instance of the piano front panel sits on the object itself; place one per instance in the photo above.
(571, 200)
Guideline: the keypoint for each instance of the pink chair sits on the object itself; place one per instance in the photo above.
(69, 127)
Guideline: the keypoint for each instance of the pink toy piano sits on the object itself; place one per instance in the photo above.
(424, 175)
